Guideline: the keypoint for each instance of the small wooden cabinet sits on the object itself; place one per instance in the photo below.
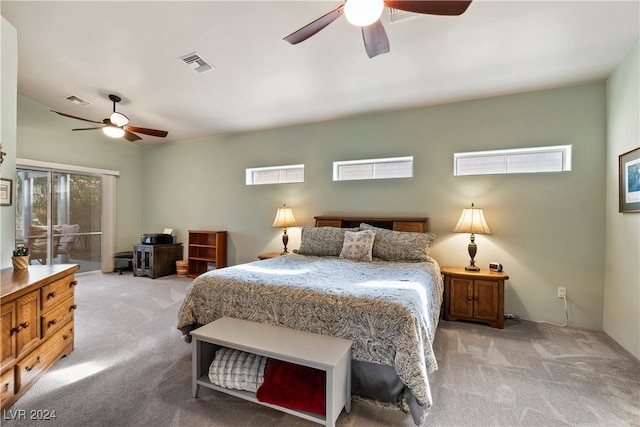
(37, 324)
(206, 249)
(156, 260)
(474, 295)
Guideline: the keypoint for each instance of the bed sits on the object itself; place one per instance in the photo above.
(370, 280)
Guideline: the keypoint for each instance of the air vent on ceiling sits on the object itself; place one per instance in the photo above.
(77, 101)
(195, 62)
(396, 15)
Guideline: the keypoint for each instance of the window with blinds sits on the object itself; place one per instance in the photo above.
(518, 160)
(385, 168)
(275, 175)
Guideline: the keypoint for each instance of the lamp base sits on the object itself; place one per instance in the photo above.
(472, 268)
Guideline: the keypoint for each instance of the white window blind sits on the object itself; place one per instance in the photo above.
(518, 160)
(275, 175)
(391, 167)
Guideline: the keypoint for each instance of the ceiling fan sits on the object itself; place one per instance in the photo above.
(116, 125)
(366, 14)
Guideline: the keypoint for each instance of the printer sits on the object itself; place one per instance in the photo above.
(156, 239)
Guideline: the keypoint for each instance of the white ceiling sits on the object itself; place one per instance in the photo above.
(90, 49)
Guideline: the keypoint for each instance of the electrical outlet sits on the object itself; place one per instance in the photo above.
(562, 292)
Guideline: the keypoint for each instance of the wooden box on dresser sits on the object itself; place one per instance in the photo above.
(37, 306)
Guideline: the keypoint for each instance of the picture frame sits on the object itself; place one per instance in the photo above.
(6, 192)
(629, 181)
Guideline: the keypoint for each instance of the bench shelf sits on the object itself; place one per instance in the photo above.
(330, 354)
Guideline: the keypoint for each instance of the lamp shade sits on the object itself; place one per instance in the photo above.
(363, 12)
(113, 131)
(284, 218)
(118, 119)
(472, 221)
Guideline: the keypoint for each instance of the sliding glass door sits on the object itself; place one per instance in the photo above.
(58, 216)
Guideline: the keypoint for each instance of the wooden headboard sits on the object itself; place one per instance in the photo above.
(416, 225)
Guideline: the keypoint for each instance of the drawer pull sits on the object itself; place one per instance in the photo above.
(51, 295)
(5, 389)
(73, 307)
(16, 329)
(52, 322)
(73, 283)
(65, 337)
(29, 368)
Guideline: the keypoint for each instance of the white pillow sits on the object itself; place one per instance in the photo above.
(358, 245)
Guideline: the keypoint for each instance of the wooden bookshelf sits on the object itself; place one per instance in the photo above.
(206, 249)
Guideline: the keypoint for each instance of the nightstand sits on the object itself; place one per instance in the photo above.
(477, 296)
(269, 255)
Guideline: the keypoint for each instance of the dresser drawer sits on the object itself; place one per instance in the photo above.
(57, 317)
(57, 291)
(7, 387)
(39, 360)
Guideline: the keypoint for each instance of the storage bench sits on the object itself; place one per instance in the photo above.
(329, 354)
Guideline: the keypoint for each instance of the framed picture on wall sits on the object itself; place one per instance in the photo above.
(6, 191)
(629, 180)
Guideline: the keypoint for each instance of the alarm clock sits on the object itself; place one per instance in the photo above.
(495, 266)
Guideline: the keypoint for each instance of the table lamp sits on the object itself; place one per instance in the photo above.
(284, 219)
(472, 221)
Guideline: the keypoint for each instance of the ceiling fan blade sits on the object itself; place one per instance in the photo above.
(375, 39)
(310, 29)
(146, 131)
(131, 137)
(74, 117)
(87, 129)
(430, 7)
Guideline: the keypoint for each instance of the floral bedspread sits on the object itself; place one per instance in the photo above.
(390, 310)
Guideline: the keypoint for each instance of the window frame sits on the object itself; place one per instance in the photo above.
(250, 174)
(565, 150)
(374, 162)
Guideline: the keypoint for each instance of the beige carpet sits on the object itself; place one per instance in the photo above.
(130, 367)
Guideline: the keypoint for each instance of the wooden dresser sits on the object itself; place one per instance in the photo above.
(37, 306)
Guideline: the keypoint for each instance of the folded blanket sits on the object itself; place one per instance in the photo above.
(237, 369)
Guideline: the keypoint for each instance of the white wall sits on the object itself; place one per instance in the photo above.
(622, 274)
(548, 228)
(8, 88)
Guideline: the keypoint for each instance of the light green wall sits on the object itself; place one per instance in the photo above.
(8, 87)
(46, 136)
(548, 229)
(545, 226)
(622, 278)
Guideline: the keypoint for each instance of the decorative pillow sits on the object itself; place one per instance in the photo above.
(294, 386)
(322, 241)
(358, 245)
(393, 245)
(237, 369)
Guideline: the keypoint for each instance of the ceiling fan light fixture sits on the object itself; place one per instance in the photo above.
(119, 119)
(363, 12)
(113, 131)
